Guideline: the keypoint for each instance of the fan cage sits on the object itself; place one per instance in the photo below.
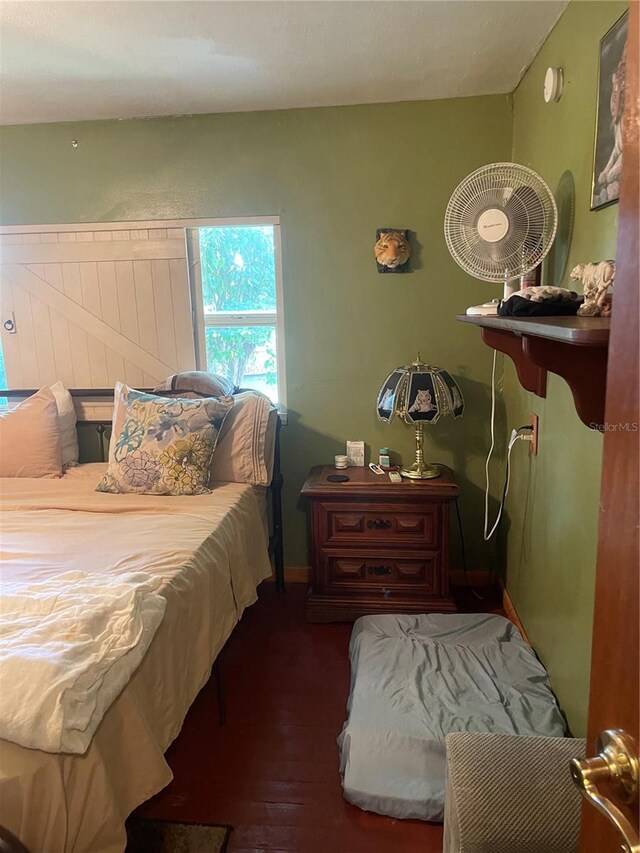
(530, 208)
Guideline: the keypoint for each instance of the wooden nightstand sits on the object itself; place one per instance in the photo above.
(378, 546)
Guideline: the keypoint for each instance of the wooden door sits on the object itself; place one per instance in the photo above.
(614, 671)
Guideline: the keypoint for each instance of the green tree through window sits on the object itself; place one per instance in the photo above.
(239, 278)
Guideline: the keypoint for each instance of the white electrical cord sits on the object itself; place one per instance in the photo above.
(487, 536)
(515, 436)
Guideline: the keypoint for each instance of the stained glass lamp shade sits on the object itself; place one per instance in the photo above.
(419, 393)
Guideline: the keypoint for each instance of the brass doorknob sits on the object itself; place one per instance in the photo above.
(617, 766)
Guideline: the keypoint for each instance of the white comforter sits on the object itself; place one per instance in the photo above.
(209, 553)
(68, 645)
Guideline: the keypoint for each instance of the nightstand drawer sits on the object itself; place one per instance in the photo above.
(357, 524)
(415, 571)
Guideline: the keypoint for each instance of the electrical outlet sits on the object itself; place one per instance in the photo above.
(533, 444)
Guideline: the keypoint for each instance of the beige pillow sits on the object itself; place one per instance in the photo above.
(67, 419)
(30, 438)
(165, 445)
(245, 447)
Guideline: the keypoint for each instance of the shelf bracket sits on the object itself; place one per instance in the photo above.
(532, 375)
(584, 369)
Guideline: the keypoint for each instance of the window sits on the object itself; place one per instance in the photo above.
(235, 276)
(3, 372)
(3, 379)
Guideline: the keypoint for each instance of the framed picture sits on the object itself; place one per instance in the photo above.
(607, 156)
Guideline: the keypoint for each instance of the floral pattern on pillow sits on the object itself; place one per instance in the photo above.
(165, 445)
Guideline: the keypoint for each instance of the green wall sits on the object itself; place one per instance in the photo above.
(334, 175)
(552, 509)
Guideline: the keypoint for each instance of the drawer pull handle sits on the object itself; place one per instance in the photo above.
(379, 523)
(379, 570)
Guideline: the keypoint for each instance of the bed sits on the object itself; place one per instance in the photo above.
(206, 554)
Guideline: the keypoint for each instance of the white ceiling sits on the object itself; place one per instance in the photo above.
(69, 60)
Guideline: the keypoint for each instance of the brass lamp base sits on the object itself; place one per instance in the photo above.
(425, 472)
(420, 470)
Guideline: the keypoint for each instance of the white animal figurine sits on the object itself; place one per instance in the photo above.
(596, 279)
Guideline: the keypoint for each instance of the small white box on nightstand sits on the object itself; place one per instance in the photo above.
(355, 452)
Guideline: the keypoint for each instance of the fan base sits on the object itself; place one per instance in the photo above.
(487, 309)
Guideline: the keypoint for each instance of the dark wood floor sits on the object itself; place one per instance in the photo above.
(272, 770)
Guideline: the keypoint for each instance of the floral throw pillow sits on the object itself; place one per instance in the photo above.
(165, 445)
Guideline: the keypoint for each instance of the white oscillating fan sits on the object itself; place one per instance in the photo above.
(500, 223)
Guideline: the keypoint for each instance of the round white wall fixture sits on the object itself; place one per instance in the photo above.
(553, 84)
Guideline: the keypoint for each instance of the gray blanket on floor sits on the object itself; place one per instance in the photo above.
(415, 679)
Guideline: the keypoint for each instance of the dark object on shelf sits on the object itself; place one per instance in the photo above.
(338, 478)
(574, 348)
(378, 546)
(516, 306)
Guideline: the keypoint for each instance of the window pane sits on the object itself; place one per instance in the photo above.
(245, 354)
(238, 268)
(3, 379)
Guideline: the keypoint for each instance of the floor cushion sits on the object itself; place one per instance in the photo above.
(414, 680)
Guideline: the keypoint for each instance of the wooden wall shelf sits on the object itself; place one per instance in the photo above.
(574, 348)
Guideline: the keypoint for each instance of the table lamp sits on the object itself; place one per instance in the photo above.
(419, 393)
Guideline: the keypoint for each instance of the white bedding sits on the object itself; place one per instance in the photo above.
(68, 645)
(207, 554)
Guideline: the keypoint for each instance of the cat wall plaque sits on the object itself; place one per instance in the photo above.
(392, 250)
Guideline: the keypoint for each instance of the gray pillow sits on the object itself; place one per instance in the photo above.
(195, 383)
